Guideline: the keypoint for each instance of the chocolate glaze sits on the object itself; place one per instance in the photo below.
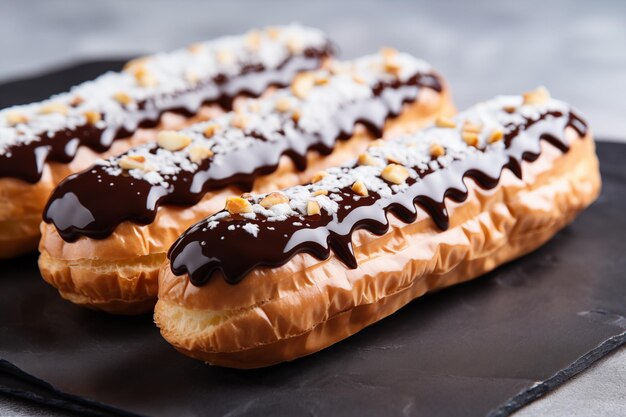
(201, 252)
(26, 161)
(84, 203)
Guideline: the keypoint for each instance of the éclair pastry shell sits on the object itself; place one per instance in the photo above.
(100, 274)
(22, 203)
(280, 314)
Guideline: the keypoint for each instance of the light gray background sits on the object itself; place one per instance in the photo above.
(576, 48)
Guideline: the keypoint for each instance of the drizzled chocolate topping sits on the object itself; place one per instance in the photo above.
(114, 105)
(424, 169)
(318, 109)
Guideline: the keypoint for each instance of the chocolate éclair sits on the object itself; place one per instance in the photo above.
(41, 143)
(111, 225)
(283, 274)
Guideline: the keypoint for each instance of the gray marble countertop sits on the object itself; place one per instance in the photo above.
(576, 48)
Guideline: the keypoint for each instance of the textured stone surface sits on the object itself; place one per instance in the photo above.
(575, 48)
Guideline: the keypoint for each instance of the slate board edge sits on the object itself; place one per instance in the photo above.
(581, 364)
(86, 406)
(41, 392)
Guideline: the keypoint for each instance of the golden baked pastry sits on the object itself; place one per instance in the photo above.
(107, 230)
(42, 143)
(427, 211)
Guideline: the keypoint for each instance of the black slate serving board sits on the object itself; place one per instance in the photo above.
(475, 349)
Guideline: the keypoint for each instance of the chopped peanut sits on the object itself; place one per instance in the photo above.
(210, 130)
(53, 108)
(318, 177)
(238, 205)
(302, 85)
(92, 117)
(283, 104)
(392, 67)
(172, 141)
(537, 96)
(367, 159)
(436, 150)
(274, 198)
(198, 153)
(360, 188)
(144, 77)
(313, 208)
(122, 98)
(320, 192)
(195, 48)
(393, 160)
(15, 118)
(321, 81)
(509, 109)
(471, 138)
(135, 63)
(496, 136)
(388, 52)
(239, 120)
(359, 79)
(132, 162)
(443, 121)
(295, 116)
(253, 40)
(76, 101)
(390, 60)
(396, 174)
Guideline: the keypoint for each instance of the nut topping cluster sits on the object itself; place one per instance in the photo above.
(308, 106)
(390, 167)
(115, 99)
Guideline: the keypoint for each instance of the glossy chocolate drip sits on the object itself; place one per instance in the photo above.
(82, 205)
(26, 160)
(202, 250)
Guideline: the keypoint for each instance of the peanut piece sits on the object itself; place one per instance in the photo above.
(318, 176)
(471, 138)
(198, 153)
(132, 162)
(367, 159)
(122, 98)
(302, 85)
(312, 208)
(238, 205)
(537, 96)
(53, 108)
(396, 174)
(210, 130)
(436, 150)
(282, 105)
(274, 198)
(15, 118)
(496, 136)
(92, 117)
(443, 121)
(360, 188)
(172, 141)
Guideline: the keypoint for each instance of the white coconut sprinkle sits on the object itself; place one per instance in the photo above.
(168, 74)
(413, 151)
(345, 84)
